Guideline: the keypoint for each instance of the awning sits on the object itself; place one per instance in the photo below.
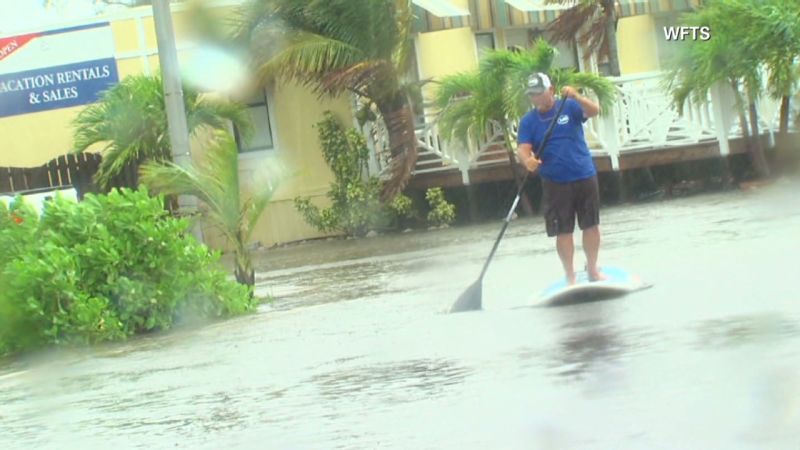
(435, 15)
(537, 5)
(485, 15)
(627, 8)
(441, 8)
(489, 14)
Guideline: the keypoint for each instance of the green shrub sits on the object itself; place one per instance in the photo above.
(442, 212)
(104, 269)
(355, 202)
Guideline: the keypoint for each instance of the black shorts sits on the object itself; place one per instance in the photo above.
(563, 201)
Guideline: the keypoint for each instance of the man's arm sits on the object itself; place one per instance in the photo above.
(589, 107)
(525, 154)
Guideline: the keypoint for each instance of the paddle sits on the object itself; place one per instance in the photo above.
(471, 299)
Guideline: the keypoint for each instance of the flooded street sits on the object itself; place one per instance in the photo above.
(357, 351)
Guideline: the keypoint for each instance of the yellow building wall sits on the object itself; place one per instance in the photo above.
(298, 152)
(125, 35)
(636, 44)
(30, 140)
(445, 52)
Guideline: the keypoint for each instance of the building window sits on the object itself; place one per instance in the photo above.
(516, 37)
(667, 50)
(484, 42)
(262, 137)
(520, 39)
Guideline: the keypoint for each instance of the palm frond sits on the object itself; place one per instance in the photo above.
(453, 87)
(568, 25)
(401, 56)
(216, 114)
(305, 58)
(359, 77)
(601, 87)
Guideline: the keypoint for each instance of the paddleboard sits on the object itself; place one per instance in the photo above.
(619, 283)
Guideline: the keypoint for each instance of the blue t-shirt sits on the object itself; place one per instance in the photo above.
(566, 157)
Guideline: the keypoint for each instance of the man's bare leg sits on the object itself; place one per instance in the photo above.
(566, 250)
(591, 246)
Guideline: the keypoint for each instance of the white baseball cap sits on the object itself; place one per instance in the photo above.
(538, 83)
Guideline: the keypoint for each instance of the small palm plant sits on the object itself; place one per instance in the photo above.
(130, 122)
(215, 181)
(494, 94)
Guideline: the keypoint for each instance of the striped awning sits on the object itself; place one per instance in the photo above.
(435, 15)
(489, 14)
(627, 8)
(484, 15)
(538, 5)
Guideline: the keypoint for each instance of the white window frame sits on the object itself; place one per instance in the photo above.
(494, 42)
(266, 152)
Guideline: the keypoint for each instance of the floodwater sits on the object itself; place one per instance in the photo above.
(357, 351)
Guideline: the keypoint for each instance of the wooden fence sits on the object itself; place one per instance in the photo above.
(72, 170)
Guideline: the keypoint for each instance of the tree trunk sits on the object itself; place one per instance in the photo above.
(740, 110)
(611, 36)
(399, 120)
(742, 116)
(244, 272)
(472, 201)
(623, 196)
(246, 276)
(613, 55)
(784, 126)
(757, 150)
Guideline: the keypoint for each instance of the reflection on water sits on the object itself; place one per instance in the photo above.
(744, 330)
(356, 353)
(584, 349)
(391, 383)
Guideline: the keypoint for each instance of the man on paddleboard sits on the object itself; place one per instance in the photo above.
(569, 177)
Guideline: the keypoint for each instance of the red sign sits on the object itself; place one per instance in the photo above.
(9, 45)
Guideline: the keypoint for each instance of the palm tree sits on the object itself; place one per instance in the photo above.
(339, 46)
(734, 56)
(471, 103)
(773, 31)
(601, 35)
(130, 122)
(215, 181)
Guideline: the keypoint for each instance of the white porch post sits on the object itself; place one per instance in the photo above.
(464, 169)
(373, 166)
(722, 122)
(610, 137)
(464, 161)
(581, 58)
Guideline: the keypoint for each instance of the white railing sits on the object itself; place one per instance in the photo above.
(642, 118)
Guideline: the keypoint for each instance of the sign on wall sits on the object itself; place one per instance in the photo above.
(56, 68)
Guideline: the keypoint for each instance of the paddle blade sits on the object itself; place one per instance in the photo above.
(470, 300)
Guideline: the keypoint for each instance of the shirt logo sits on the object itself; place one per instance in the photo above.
(564, 119)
